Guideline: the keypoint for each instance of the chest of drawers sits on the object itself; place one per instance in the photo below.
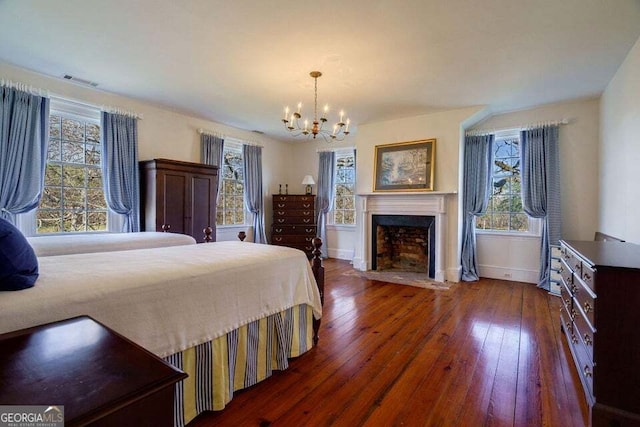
(600, 314)
(294, 221)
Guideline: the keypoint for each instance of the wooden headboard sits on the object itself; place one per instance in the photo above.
(601, 237)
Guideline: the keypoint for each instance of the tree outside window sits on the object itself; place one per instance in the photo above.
(230, 209)
(504, 211)
(73, 197)
(344, 209)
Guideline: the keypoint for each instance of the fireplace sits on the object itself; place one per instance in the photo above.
(403, 243)
(430, 207)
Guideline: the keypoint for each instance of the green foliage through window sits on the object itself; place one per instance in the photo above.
(73, 198)
(344, 209)
(230, 210)
(504, 211)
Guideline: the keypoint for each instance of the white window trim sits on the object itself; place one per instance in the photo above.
(235, 144)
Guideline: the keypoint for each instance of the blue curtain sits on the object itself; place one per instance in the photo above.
(541, 189)
(326, 193)
(121, 178)
(253, 200)
(476, 180)
(24, 136)
(212, 154)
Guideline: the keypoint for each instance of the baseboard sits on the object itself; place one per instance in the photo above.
(345, 254)
(513, 274)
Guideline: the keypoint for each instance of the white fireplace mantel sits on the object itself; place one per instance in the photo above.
(428, 204)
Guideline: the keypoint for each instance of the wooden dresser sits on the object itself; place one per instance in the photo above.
(600, 318)
(294, 221)
(100, 377)
(178, 197)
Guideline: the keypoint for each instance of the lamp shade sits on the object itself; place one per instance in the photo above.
(308, 180)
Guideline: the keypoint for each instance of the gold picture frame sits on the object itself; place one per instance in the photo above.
(405, 166)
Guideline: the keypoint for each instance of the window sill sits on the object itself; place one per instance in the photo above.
(518, 235)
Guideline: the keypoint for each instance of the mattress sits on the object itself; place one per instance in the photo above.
(167, 299)
(104, 242)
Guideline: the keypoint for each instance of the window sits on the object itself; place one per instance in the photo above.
(344, 208)
(73, 197)
(230, 210)
(504, 211)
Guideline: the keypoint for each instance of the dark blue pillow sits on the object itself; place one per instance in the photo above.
(18, 261)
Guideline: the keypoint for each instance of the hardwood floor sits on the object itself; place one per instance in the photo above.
(483, 353)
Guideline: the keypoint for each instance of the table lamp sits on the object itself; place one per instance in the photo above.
(308, 181)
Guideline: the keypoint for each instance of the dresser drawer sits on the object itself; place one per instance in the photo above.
(294, 229)
(308, 248)
(293, 204)
(566, 297)
(292, 198)
(583, 330)
(567, 275)
(571, 260)
(293, 221)
(588, 276)
(299, 213)
(292, 238)
(585, 368)
(585, 301)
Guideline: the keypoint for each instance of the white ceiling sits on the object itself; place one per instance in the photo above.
(240, 62)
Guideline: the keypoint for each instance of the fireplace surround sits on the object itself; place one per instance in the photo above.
(433, 204)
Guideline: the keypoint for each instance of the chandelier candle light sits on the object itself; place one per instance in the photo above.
(291, 122)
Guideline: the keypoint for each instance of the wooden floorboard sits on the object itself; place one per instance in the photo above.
(481, 353)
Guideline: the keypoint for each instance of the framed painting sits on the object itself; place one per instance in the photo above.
(404, 166)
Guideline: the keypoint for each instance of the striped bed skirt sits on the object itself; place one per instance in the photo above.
(239, 359)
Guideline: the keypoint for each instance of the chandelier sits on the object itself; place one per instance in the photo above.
(292, 122)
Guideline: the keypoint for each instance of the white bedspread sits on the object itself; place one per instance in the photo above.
(166, 299)
(105, 242)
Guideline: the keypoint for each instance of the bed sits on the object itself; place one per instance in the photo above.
(52, 245)
(226, 313)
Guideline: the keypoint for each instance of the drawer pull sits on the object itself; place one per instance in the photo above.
(576, 266)
(306, 220)
(306, 213)
(306, 205)
(586, 276)
(309, 230)
(280, 220)
(561, 270)
(587, 371)
(587, 339)
(278, 239)
(568, 325)
(574, 339)
(281, 212)
(281, 205)
(567, 302)
(587, 307)
(278, 230)
(305, 198)
(574, 289)
(572, 314)
(566, 256)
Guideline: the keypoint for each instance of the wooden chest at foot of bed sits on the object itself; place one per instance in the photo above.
(100, 377)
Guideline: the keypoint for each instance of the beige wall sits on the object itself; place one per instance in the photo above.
(163, 133)
(446, 128)
(517, 257)
(620, 152)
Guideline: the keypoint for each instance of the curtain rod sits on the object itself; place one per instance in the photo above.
(480, 132)
(115, 110)
(231, 138)
(25, 88)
